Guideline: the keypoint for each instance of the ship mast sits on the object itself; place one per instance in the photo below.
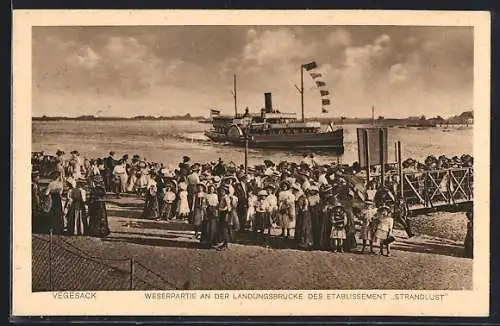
(234, 96)
(301, 90)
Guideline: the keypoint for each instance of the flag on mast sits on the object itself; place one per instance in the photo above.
(310, 66)
(214, 113)
(315, 75)
(320, 83)
(324, 92)
(325, 101)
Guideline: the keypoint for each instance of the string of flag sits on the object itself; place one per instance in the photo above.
(321, 85)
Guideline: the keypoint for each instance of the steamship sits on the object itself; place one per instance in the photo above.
(275, 130)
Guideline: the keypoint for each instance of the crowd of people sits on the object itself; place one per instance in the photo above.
(316, 206)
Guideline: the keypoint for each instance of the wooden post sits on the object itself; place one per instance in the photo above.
(50, 260)
(302, 91)
(234, 95)
(367, 155)
(395, 152)
(246, 152)
(400, 170)
(382, 157)
(131, 274)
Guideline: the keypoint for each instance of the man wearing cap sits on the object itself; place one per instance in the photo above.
(219, 168)
(120, 177)
(109, 165)
(261, 217)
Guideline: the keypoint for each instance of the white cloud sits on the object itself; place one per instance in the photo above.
(340, 37)
(272, 46)
(398, 73)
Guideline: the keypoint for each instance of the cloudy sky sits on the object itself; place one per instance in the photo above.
(170, 70)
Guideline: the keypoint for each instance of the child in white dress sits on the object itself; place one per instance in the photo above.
(367, 226)
(385, 229)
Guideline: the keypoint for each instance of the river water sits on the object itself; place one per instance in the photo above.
(168, 141)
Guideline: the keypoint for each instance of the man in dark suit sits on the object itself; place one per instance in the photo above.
(109, 165)
(240, 191)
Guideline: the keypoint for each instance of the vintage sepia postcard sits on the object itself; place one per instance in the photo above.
(196, 163)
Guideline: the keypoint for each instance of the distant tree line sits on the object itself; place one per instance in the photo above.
(187, 116)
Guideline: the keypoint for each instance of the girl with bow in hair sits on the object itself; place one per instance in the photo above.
(338, 218)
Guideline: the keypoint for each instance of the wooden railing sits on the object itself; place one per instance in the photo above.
(434, 188)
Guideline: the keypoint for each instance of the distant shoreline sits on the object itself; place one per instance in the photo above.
(465, 118)
(336, 121)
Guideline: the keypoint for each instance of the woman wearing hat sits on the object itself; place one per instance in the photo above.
(367, 227)
(469, 239)
(55, 215)
(98, 216)
(199, 207)
(60, 163)
(151, 206)
(234, 222)
(133, 172)
(77, 213)
(384, 229)
(142, 177)
(327, 197)
(303, 229)
(252, 202)
(209, 225)
(286, 209)
(36, 211)
(273, 203)
(314, 204)
(224, 216)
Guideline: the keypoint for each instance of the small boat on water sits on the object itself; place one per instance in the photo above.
(275, 130)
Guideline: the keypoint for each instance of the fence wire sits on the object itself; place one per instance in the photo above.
(64, 267)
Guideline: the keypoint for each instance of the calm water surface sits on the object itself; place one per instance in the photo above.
(168, 141)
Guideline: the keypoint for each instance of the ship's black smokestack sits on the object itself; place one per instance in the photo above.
(268, 102)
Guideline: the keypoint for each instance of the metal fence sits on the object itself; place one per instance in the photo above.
(58, 265)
